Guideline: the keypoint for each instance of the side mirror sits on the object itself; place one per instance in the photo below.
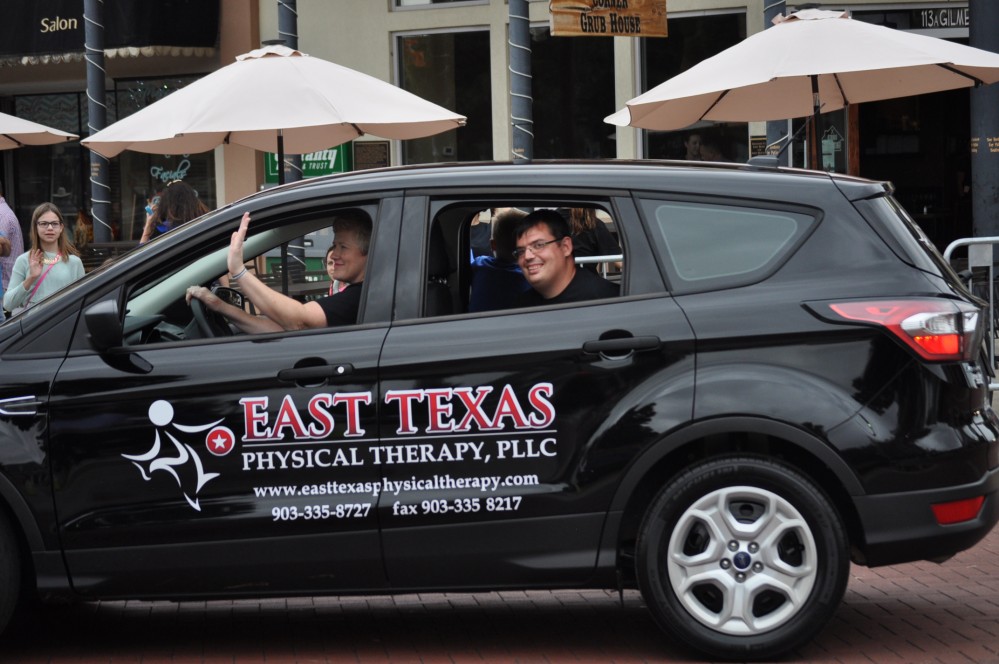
(105, 325)
(229, 295)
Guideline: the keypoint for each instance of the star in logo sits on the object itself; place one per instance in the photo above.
(220, 441)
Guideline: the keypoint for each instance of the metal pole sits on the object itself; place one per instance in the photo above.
(288, 34)
(776, 129)
(984, 15)
(289, 166)
(521, 102)
(100, 191)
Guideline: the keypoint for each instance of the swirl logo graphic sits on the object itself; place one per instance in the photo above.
(177, 458)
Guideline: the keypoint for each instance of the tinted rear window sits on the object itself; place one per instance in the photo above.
(707, 245)
(902, 234)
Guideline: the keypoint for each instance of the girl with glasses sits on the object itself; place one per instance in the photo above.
(52, 262)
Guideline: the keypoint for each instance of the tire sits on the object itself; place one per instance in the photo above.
(10, 572)
(752, 585)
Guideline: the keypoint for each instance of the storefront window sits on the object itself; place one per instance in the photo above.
(833, 148)
(922, 145)
(573, 89)
(57, 173)
(451, 70)
(692, 40)
(138, 177)
(61, 173)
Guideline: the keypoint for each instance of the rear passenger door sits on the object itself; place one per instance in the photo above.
(503, 432)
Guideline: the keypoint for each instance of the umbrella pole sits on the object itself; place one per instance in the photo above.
(284, 247)
(280, 156)
(813, 132)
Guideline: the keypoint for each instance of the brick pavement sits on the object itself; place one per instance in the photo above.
(914, 613)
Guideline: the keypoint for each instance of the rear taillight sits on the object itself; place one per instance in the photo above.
(958, 511)
(937, 329)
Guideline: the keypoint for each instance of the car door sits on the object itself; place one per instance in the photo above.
(504, 432)
(233, 464)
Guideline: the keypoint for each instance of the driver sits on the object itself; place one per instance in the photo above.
(349, 252)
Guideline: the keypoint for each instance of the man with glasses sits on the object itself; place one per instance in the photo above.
(544, 253)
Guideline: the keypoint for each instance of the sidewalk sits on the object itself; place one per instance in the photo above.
(914, 613)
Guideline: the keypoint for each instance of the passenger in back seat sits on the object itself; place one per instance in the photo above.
(497, 282)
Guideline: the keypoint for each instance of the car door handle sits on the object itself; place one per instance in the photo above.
(321, 372)
(621, 345)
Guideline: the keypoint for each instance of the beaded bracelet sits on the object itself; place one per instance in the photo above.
(237, 277)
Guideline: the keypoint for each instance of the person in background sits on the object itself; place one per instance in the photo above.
(83, 230)
(479, 236)
(50, 265)
(544, 253)
(178, 204)
(11, 229)
(4, 251)
(497, 282)
(692, 146)
(710, 151)
(590, 236)
(335, 284)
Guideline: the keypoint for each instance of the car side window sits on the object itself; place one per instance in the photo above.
(288, 255)
(707, 245)
(471, 262)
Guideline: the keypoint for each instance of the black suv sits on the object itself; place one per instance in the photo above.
(791, 378)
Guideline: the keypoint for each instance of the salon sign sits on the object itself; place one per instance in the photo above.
(314, 164)
(608, 18)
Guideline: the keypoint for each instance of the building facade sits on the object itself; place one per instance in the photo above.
(455, 53)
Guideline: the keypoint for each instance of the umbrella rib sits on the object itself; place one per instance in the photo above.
(713, 104)
(842, 92)
(19, 143)
(953, 70)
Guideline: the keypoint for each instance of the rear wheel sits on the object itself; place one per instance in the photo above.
(742, 558)
(10, 571)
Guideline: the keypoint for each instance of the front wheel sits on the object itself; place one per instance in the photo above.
(742, 558)
(10, 572)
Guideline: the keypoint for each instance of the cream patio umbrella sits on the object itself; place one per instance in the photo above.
(270, 96)
(809, 62)
(16, 132)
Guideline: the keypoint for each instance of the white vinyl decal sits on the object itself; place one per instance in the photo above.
(186, 459)
(463, 426)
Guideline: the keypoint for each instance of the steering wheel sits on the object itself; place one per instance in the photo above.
(210, 323)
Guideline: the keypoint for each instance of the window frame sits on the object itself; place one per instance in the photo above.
(398, 64)
(430, 4)
(431, 206)
(154, 292)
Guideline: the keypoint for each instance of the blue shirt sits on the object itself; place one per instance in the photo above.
(496, 284)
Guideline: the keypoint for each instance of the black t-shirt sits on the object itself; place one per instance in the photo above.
(596, 242)
(341, 308)
(585, 285)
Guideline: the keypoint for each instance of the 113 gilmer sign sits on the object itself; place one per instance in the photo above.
(608, 18)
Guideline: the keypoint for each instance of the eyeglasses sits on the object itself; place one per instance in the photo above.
(535, 247)
(48, 224)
